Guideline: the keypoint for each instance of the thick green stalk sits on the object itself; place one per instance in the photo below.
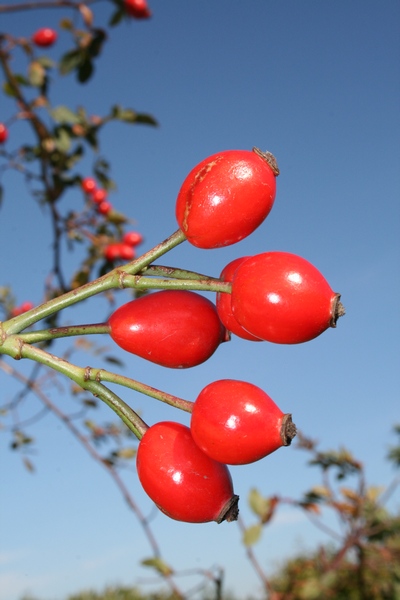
(146, 283)
(43, 335)
(113, 279)
(103, 375)
(15, 347)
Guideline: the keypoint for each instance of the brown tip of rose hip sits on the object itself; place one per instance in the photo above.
(230, 511)
(338, 310)
(269, 158)
(288, 430)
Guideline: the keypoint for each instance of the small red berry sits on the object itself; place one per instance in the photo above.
(224, 304)
(132, 238)
(182, 481)
(88, 185)
(118, 251)
(137, 8)
(237, 423)
(3, 133)
(104, 207)
(99, 195)
(44, 37)
(173, 328)
(226, 197)
(22, 308)
(126, 252)
(282, 298)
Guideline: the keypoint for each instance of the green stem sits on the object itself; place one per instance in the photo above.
(146, 283)
(16, 348)
(42, 335)
(113, 279)
(173, 272)
(103, 375)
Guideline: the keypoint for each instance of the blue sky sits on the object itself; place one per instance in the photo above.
(316, 83)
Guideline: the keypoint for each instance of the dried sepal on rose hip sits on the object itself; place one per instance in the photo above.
(282, 298)
(224, 304)
(236, 422)
(172, 328)
(226, 197)
(182, 481)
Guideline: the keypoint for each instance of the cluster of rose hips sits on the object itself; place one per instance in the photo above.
(277, 297)
(126, 248)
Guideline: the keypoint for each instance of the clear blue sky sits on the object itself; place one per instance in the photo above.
(316, 83)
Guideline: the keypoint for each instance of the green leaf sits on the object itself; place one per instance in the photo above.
(114, 361)
(252, 534)
(66, 24)
(96, 43)
(85, 71)
(46, 62)
(62, 139)
(71, 60)
(116, 17)
(159, 565)
(36, 74)
(126, 453)
(128, 115)
(258, 504)
(63, 114)
(145, 119)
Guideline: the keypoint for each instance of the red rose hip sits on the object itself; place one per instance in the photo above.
(3, 133)
(182, 481)
(282, 298)
(172, 328)
(226, 197)
(237, 423)
(44, 37)
(224, 304)
(88, 185)
(137, 8)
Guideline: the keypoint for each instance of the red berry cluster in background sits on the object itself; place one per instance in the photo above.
(22, 308)
(124, 249)
(274, 296)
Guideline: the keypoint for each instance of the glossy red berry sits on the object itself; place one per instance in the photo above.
(104, 207)
(3, 133)
(126, 252)
(99, 195)
(22, 308)
(173, 328)
(132, 238)
(88, 185)
(137, 8)
(226, 197)
(118, 251)
(182, 481)
(237, 423)
(282, 298)
(224, 304)
(44, 37)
